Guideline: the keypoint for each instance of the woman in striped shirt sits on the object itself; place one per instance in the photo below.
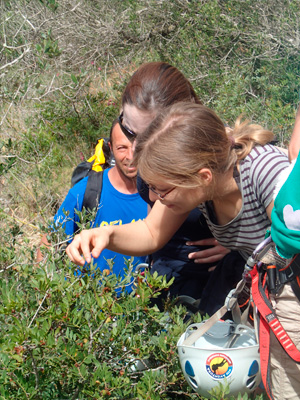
(188, 160)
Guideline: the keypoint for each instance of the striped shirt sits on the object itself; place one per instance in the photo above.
(257, 179)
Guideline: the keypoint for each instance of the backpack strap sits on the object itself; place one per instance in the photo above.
(81, 171)
(93, 190)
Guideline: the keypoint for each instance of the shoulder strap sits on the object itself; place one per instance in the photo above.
(231, 304)
(266, 311)
(81, 171)
(93, 190)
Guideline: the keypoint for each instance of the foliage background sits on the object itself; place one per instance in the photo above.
(63, 66)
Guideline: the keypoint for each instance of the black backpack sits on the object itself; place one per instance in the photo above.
(93, 168)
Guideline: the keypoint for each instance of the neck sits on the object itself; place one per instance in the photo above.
(121, 182)
(228, 200)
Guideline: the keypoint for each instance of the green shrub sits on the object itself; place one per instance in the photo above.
(69, 336)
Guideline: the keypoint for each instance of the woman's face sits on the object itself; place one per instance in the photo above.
(177, 199)
(136, 120)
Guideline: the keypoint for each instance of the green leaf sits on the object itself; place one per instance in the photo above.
(74, 79)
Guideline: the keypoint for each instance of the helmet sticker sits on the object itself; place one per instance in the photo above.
(219, 366)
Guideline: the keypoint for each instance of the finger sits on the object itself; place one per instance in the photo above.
(99, 241)
(87, 244)
(79, 247)
(96, 251)
(213, 251)
(209, 259)
(74, 255)
(69, 254)
(203, 242)
(209, 255)
(84, 242)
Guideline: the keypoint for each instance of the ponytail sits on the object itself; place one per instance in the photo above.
(246, 135)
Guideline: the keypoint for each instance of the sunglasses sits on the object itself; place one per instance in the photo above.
(127, 132)
(159, 195)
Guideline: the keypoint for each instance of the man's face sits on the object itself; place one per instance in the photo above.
(123, 153)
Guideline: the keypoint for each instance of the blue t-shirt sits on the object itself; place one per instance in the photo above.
(115, 208)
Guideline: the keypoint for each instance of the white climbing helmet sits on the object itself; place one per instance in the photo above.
(226, 353)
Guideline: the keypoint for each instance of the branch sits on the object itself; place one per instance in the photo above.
(29, 23)
(13, 218)
(16, 59)
(40, 306)
(59, 16)
(6, 268)
(92, 334)
(9, 107)
(36, 372)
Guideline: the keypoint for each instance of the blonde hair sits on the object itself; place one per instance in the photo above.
(187, 137)
(247, 135)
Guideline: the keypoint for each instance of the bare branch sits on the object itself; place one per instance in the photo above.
(28, 22)
(39, 307)
(16, 59)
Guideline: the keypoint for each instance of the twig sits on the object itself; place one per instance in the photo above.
(40, 306)
(16, 59)
(28, 22)
(92, 334)
(10, 266)
(60, 15)
(10, 105)
(21, 159)
(25, 187)
(36, 372)
(14, 47)
(13, 217)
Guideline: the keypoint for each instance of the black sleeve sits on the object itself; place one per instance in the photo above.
(143, 191)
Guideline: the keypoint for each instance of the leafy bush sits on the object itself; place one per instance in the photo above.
(71, 336)
(69, 333)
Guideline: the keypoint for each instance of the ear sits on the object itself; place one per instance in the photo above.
(205, 176)
(109, 144)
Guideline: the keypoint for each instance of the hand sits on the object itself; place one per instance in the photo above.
(213, 254)
(86, 244)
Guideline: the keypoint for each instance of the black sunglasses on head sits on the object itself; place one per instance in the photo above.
(127, 132)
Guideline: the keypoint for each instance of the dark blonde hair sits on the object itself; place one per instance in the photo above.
(187, 137)
(157, 85)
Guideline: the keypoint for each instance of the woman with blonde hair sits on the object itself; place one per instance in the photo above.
(229, 176)
(188, 159)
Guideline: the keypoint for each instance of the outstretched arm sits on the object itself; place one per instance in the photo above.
(294, 145)
(138, 238)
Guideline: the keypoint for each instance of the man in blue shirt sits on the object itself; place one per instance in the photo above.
(119, 202)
